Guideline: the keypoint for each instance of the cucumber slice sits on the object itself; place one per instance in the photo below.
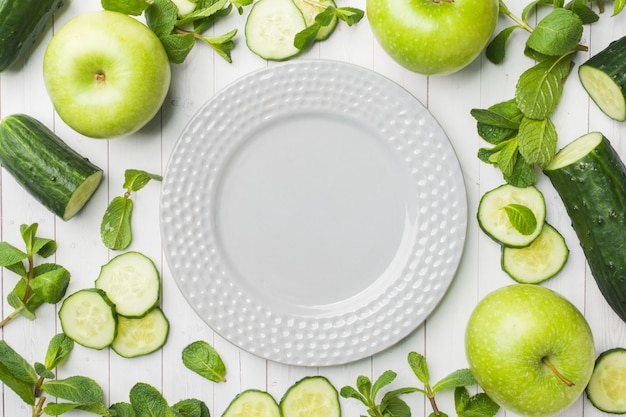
(603, 76)
(311, 396)
(310, 9)
(607, 387)
(494, 221)
(89, 318)
(539, 261)
(141, 336)
(271, 28)
(132, 283)
(252, 403)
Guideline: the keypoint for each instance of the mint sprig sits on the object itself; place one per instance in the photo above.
(367, 393)
(521, 131)
(116, 228)
(38, 284)
(307, 37)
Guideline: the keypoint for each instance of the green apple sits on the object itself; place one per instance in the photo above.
(106, 73)
(433, 37)
(530, 349)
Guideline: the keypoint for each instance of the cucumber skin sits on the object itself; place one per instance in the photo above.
(612, 62)
(593, 190)
(22, 23)
(41, 162)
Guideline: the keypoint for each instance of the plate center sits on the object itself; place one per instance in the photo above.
(312, 210)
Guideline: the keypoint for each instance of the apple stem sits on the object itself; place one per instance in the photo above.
(99, 77)
(556, 372)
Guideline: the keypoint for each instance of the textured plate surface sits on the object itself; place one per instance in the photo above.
(313, 213)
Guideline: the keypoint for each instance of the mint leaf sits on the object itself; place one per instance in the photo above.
(418, 364)
(458, 378)
(62, 408)
(59, 348)
(42, 371)
(537, 140)
(222, 44)
(522, 218)
(350, 392)
(364, 385)
(115, 229)
(10, 255)
(177, 46)
(506, 156)
(584, 12)
(201, 13)
(147, 401)
(44, 247)
(29, 233)
(50, 282)
(77, 389)
(350, 15)
(557, 33)
(122, 409)
(540, 87)
(479, 405)
(131, 7)
(17, 374)
(204, 360)
(191, 408)
(496, 49)
(523, 174)
(161, 17)
(618, 6)
(395, 407)
(494, 118)
(306, 37)
(136, 179)
(17, 302)
(383, 380)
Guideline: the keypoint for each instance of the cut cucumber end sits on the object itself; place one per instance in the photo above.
(607, 387)
(141, 336)
(604, 91)
(271, 28)
(88, 317)
(253, 403)
(82, 194)
(539, 261)
(311, 396)
(132, 282)
(494, 221)
(575, 150)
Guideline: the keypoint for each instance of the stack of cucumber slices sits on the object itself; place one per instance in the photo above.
(121, 311)
(532, 250)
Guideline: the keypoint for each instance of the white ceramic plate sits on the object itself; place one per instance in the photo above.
(313, 213)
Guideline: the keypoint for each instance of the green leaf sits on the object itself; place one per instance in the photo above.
(537, 140)
(191, 408)
(204, 360)
(557, 33)
(349, 392)
(115, 228)
(222, 44)
(618, 6)
(461, 399)
(506, 156)
(200, 13)
(33, 302)
(584, 12)
(202, 24)
(44, 247)
(240, 4)
(496, 49)
(400, 391)
(131, 7)
(395, 407)
(522, 218)
(493, 118)
(10, 255)
(29, 233)
(135, 179)
(383, 380)
(306, 37)
(540, 87)
(458, 378)
(19, 306)
(59, 348)
(364, 385)
(50, 282)
(523, 174)
(178, 46)
(98, 408)
(42, 371)
(123, 409)
(350, 15)
(77, 389)
(479, 405)
(326, 16)
(418, 364)
(161, 17)
(495, 134)
(17, 374)
(147, 401)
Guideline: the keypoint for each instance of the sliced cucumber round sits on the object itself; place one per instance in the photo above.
(540, 260)
(252, 403)
(311, 396)
(141, 336)
(271, 28)
(310, 9)
(132, 282)
(607, 387)
(493, 218)
(88, 317)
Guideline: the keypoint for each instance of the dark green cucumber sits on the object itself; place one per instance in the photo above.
(52, 172)
(22, 23)
(590, 177)
(603, 76)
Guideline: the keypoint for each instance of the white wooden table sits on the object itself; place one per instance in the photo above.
(440, 338)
